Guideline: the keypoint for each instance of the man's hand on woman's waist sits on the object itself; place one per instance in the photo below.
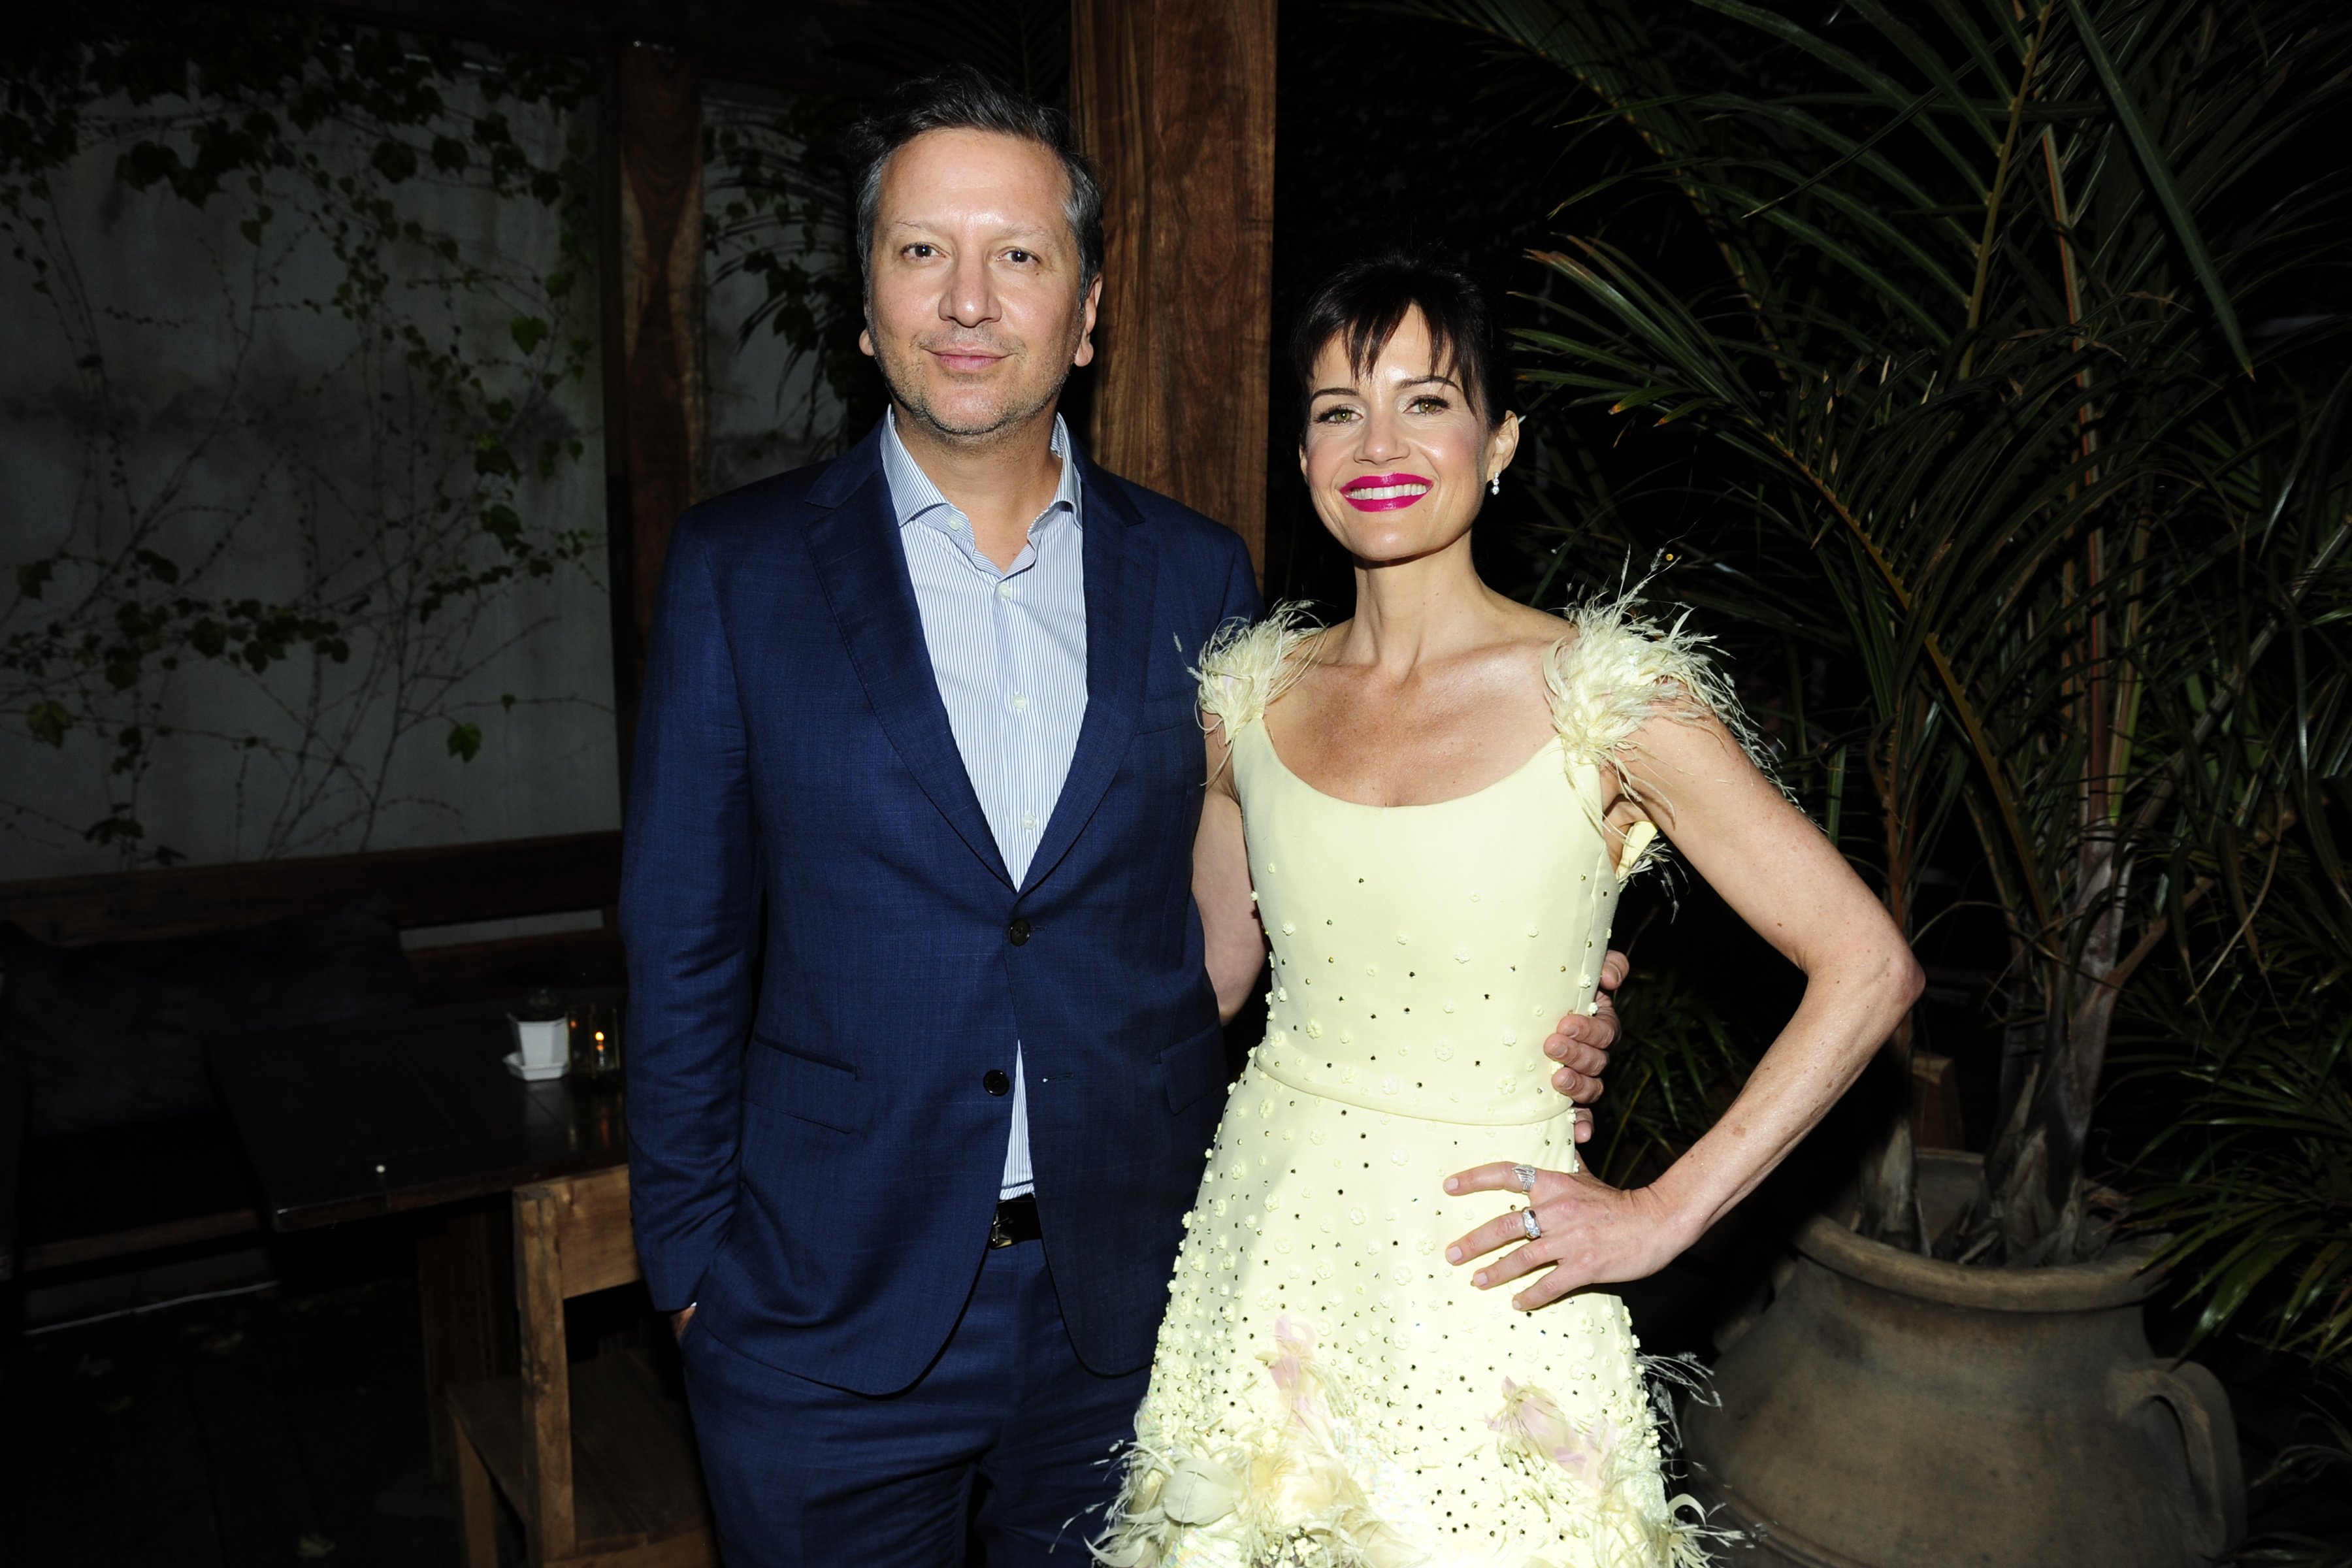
(1581, 1044)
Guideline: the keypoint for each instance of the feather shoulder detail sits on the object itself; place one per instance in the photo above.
(1244, 668)
(1618, 673)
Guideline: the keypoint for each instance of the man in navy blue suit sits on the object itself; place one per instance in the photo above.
(924, 1051)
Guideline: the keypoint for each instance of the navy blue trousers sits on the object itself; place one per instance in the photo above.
(803, 1474)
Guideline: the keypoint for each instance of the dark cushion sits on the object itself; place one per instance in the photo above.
(115, 1032)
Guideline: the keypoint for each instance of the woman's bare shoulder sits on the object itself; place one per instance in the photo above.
(1525, 644)
(1541, 629)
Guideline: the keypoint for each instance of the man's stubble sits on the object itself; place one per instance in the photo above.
(907, 392)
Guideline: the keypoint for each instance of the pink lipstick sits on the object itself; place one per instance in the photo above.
(1385, 492)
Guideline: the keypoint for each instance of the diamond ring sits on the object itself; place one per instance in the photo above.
(1525, 1177)
(1527, 1223)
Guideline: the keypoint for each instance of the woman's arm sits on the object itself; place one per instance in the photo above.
(1235, 943)
(1777, 871)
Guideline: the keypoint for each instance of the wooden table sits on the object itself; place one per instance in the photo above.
(381, 1115)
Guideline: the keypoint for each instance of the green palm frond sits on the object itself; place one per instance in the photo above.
(2253, 1179)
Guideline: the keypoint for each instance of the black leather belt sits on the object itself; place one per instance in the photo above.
(1016, 1220)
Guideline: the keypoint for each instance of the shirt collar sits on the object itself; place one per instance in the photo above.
(914, 499)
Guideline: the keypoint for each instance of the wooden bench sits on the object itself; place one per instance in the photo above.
(83, 1198)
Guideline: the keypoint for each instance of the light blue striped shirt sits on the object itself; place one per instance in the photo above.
(1009, 652)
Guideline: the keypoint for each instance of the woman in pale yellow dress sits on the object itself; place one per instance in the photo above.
(1428, 810)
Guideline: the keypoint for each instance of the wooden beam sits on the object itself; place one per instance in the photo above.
(1174, 102)
(781, 47)
(442, 884)
(654, 382)
(82, 1249)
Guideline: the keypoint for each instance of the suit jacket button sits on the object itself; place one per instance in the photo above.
(996, 1083)
(1019, 931)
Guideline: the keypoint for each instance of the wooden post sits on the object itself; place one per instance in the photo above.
(1174, 102)
(651, 131)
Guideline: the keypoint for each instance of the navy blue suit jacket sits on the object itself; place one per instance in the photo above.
(826, 956)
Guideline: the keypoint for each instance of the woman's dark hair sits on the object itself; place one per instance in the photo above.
(1365, 303)
(963, 97)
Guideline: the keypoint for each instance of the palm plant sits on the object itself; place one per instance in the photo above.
(2248, 1168)
(1956, 302)
(2252, 1180)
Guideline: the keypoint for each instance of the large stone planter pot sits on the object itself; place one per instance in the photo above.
(1891, 1411)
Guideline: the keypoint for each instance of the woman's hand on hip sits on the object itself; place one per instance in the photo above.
(1593, 1234)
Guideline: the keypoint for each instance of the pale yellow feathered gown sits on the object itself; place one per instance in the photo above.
(1328, 1390)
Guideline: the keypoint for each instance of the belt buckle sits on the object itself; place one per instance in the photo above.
(996, 1236)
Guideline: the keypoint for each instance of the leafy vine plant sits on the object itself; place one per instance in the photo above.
(302, 318)
(777, 234)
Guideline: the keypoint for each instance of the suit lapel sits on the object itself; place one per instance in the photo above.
(1121, 580)
(853, 542)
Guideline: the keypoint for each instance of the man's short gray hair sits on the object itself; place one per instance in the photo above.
(965, 99)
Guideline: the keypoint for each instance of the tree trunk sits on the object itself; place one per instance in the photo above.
(2034, 1175)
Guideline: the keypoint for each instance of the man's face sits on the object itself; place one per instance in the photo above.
(973, 310)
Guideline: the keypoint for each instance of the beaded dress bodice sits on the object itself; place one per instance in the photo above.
(1425, 978)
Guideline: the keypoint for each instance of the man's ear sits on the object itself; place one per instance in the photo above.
(1086, 311)
(866, 315)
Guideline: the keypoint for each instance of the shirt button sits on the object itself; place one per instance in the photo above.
(996, 1083)
(1018, 931)
(1029, 820)
(1004, 589)
(1021, 702)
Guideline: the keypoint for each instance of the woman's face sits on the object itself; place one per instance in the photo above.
(1396, 459)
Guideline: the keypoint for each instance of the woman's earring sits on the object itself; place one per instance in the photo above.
(1495, 485)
